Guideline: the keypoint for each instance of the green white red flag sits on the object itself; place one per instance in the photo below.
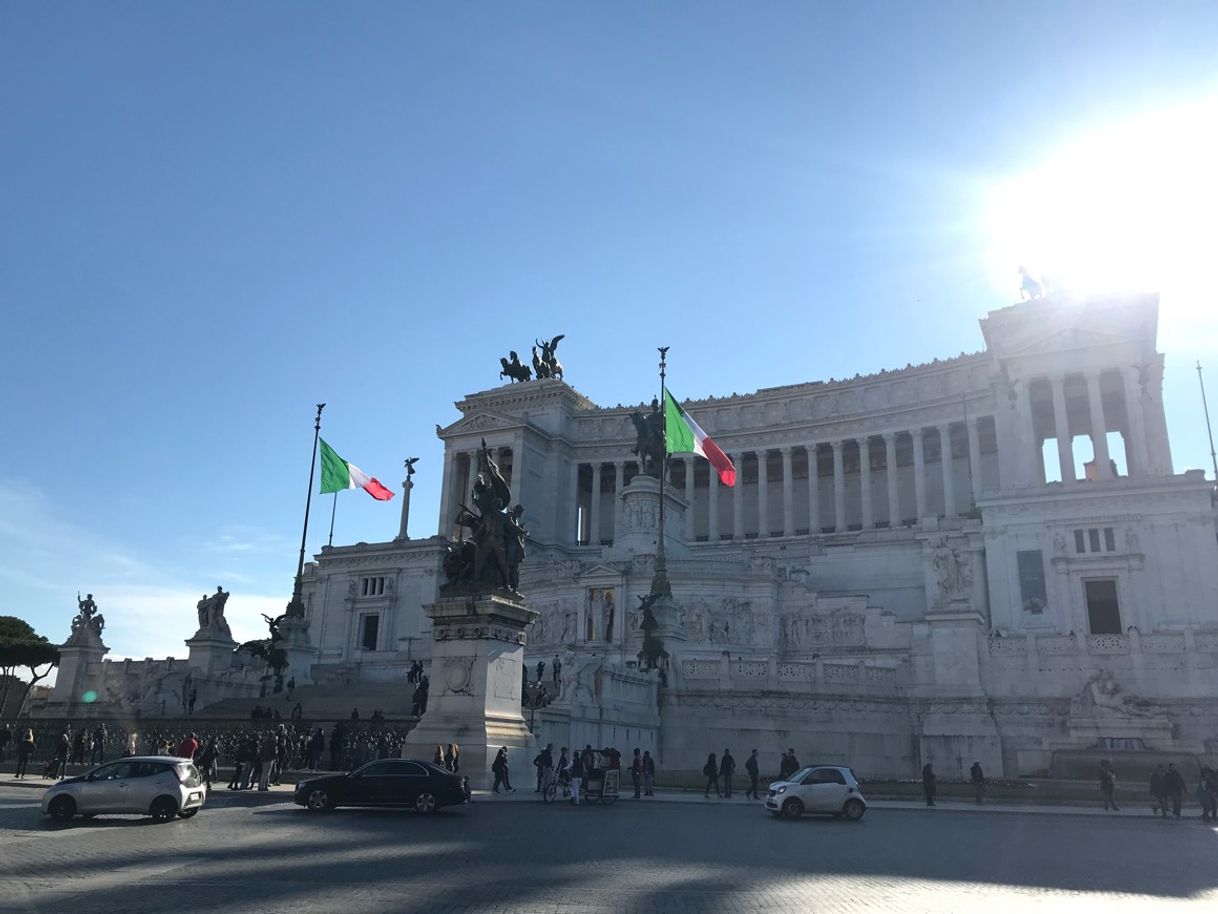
(338, 474)
(685, 436)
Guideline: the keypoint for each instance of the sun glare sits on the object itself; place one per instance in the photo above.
(1133, 207)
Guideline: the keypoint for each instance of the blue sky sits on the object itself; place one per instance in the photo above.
(216, 215)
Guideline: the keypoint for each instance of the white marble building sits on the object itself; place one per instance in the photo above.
(986, 557)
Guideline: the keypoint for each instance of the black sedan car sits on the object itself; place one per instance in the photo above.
(387, 782)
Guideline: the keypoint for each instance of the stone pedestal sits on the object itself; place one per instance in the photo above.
(78, 658)
(640, 528)
(298, 649)
(476, 680)
(210, 652)
(956, 631)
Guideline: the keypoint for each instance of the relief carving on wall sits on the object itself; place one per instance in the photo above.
(801, 631)
(729, 621)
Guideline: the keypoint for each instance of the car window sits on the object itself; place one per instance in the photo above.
(825, 776)
(407, 770)
(375, 770)
(118, 771)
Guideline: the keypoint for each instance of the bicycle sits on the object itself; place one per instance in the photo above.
(555, 781)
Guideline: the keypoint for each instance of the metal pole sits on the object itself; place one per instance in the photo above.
(1209, 431)
(296, 606)
(333, 510)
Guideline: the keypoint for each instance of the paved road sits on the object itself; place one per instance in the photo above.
(669, 858)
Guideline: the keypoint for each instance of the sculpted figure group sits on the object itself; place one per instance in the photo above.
(492, 556)
(545, 362)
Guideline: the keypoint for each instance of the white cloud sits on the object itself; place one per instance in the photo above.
(149, 608)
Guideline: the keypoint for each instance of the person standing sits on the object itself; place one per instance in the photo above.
(6, 737)
(790, 765)
(711, 771)
(928, 783)
(266, 755)
(636, 773)
(545, 766)
(1209, 800)
(188, 747)
(577, 776)
(452, 758)
(317, 745)
(727, 767)
(1158, 795)
(78, 748)
(25, 748)
(206, 761)
(1108, 785)
(977, 776)
(1173, 786)
(649, 774)
(58, 766)
(438, 758)
(99, 745)
(754, 773)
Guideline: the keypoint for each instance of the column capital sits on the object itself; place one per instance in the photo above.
(836, 444)
(889, 436)
(785, 451)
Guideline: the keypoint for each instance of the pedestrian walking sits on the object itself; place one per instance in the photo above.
(754, 772)
(545, 766)
(438, 758)
(649, 774)
(98, 754)
(25, 748)
(502, 775)
(452, 758)
(188, 746)
(711, 771)
(78, 748)
(928, 783)
(132, 739)
(577, 776)
(317, 745)
(636, 773)
(1158, 794)
(1173, 786)
(977, 776)
(1108, 785)
(57, 767)
(1209, 795)
(206, 761)
(727, 767)
(790, 765)
(6, 737)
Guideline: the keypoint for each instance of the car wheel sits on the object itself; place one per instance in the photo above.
(318, 801)
(853, 810)
(425, 802)
(62, 808)
(163, 809)
(188, 813)
(792, 809)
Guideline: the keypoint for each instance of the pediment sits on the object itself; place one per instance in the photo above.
(601, 573)
(1067, 339)
(479, 422)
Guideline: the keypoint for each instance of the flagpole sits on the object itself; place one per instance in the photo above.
(296, 606)
(659, 583)
(1205, 406)
(333, 511)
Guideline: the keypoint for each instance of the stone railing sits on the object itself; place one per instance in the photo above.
(1021, 646)
(785, 674)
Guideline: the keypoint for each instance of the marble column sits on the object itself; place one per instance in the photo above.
(1099, 434)
(974, 458)
(788, 495)
(1025, 439)
(1061, 428)
(919, 468)
(763, 495)
(445, 526)
(594, 510)
(865, 481)
(894, 493)
(573, 530)
(689, 499)
(738, 498)
(619, 482)
(814, 523)
(839, 488)
(1135, 424)
(517, 468)
(945, 464)
(712, 505)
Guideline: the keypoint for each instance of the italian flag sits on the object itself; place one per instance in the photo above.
(685, 436)
(338, 474)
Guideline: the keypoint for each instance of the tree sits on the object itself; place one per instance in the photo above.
(20, 645)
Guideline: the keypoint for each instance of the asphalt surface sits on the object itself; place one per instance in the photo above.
(247, 855)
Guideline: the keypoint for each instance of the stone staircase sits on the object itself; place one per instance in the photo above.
(325, 702)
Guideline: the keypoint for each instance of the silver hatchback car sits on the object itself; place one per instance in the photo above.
(152, 785)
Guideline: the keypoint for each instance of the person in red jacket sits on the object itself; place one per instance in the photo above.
(188, 747)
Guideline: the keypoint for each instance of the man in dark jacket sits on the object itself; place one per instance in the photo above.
(977, 776)
(754, 773)
(928, 783)
(636, 773)
(1158, 795)
(1173, 786)
(790, 764)
(727, 767)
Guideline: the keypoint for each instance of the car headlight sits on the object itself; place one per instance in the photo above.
(780, 789)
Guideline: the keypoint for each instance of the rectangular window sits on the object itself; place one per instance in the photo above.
(1094, 536)
(1080, 542)
(373, 587)
(1032, 590)
(368, 632)
(1109, 540)
(1103, 613)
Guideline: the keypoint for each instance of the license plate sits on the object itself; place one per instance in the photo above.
(195, 797)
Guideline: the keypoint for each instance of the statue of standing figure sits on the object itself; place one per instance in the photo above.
(497, 549)
(211, 612)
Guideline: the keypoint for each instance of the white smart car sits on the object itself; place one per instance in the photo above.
(151, 785)
(830, 789)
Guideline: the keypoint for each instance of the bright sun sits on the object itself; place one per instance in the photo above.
(1133, 206)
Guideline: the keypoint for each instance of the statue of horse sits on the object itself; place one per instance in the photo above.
(515, 369)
